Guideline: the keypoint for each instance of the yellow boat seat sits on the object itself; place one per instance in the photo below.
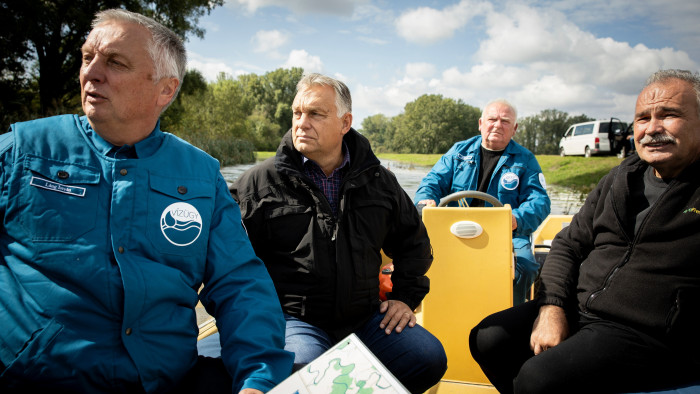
(470, 278)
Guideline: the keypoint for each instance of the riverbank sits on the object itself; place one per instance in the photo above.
(576, 173)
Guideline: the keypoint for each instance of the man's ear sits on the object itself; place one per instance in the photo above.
(347, 122)
(167, 92)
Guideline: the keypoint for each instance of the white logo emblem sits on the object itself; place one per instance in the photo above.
(181, 224)
(542, 182)
(510, 181)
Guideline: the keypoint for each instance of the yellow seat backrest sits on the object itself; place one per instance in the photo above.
(549, 228)
(469, 279)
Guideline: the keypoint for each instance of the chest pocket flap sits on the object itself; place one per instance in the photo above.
(58, 200)
(62, 172)
(181, 189)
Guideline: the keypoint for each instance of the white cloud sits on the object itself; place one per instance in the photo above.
(370, 12)
(268, 41)
(427, 25)
(672, 20)
(336, 7)
(341, 77)
(552, 63)
(552, 91)
(373, 40)
(538, 60)
(420, 70)
(210, 68)
(388, 100)
(391, 99)
(301, 58)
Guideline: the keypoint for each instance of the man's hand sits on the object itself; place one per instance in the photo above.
(549, 330)
(515, 223)
(428, 203)
(397, 316)
(250, 391)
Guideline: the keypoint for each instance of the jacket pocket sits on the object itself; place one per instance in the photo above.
(370, 220)
(288, 226)
(294, 305)
(369, 224)
(683, 319)
(57, 200)
(179, 214)
(31, 360)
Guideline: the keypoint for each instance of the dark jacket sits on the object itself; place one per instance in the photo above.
(325, 269)
(649, 280)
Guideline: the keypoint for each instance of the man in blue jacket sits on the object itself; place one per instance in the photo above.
(495, 164)
(111, 226)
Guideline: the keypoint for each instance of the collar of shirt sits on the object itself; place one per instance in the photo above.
(142, 149)
(330, 185)
(312, 165)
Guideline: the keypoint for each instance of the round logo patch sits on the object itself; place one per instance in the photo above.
(181, 224)
(510, 181)
(542, 182)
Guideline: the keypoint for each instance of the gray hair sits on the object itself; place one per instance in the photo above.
(504, 102)
(343, 101)
(692, 78)
(165, 48)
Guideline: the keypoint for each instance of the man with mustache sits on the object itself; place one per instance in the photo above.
(619, 302)
(495, 164)
(110, 227)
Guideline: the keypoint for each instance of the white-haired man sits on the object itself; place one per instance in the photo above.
(493, 163)
(109, 228)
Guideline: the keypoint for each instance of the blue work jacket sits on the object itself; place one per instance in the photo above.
(101, 260)
(517, 180)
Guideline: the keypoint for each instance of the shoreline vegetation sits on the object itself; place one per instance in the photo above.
(578, 173)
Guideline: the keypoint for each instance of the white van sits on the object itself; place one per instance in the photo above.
(593, 138)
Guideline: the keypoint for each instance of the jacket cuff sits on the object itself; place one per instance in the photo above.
(542, 301)
(263, 385)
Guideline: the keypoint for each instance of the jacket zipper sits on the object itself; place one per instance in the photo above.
(343, 193)
(630, 245)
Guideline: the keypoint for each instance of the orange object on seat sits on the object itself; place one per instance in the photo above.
(385, 284)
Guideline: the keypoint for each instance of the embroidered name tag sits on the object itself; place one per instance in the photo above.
(57, 187)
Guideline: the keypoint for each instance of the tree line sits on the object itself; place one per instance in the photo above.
(231, 118)
(433, 123)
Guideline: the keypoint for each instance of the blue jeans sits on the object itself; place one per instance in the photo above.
(414, 356)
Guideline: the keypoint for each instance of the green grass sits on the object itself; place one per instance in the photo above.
(416, 159)
(260, 155)
(578, 173)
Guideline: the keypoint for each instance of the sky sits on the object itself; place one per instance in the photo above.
(578, 56)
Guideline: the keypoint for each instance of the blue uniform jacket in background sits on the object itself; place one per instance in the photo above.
(101, 260)
(517, 180)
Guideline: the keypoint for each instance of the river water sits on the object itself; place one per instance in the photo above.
(564, 202)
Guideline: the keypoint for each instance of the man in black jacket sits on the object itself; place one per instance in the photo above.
(318, 214)
(619, 302)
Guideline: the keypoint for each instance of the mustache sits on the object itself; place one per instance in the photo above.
(657, 139)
